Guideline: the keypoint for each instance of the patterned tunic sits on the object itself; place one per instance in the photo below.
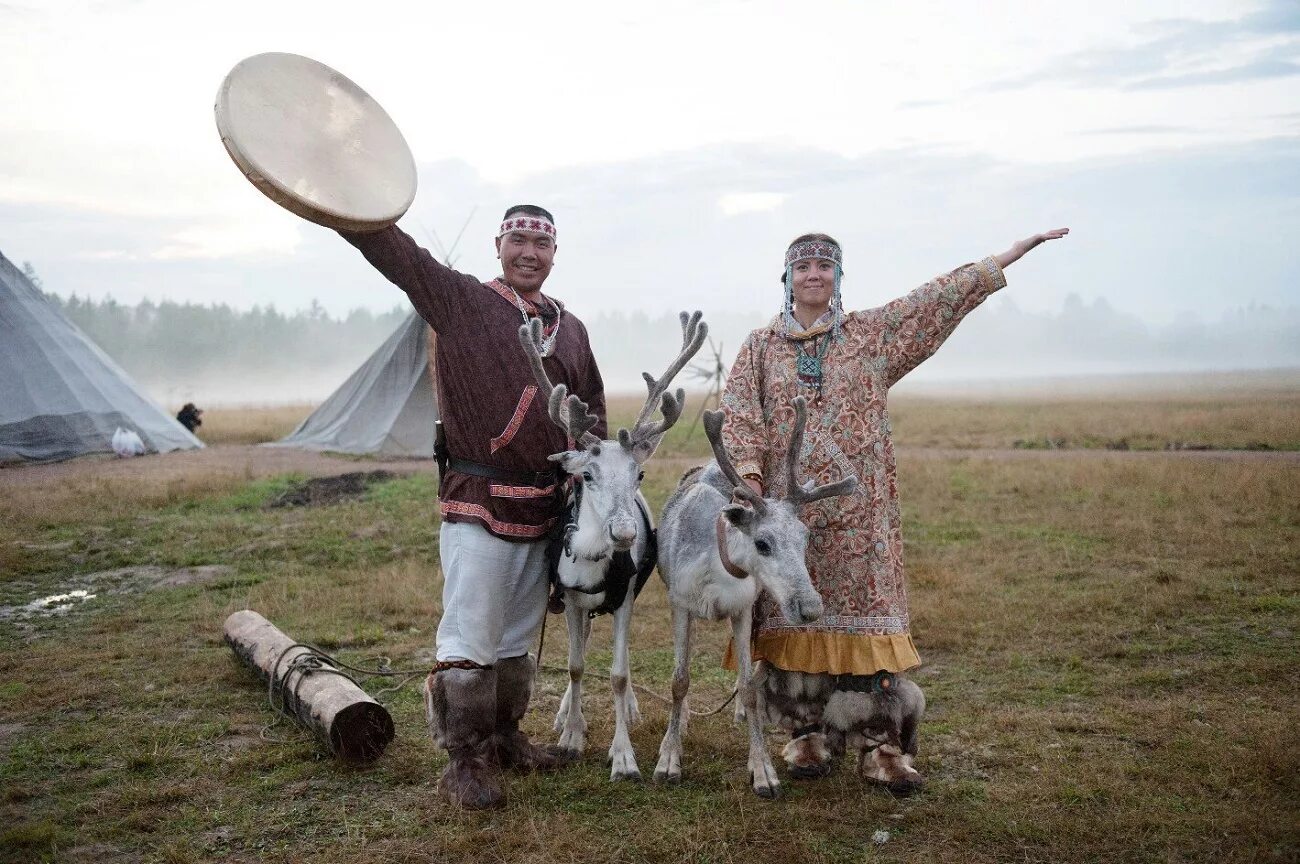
(855, 551)
(492, 412)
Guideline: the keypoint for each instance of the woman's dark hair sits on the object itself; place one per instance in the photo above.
(809, 238)
(529, 210)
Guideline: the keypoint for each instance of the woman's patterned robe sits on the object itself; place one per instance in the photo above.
(855, 551)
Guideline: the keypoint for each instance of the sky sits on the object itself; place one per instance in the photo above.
(681, 145)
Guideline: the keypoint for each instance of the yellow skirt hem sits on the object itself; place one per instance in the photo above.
(832, 653)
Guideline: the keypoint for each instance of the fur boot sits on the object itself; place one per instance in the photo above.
(511, 747)
(460, 706)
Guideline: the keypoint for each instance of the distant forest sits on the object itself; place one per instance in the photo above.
(215, 354)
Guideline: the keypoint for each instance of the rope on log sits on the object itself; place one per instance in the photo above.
(312, 688)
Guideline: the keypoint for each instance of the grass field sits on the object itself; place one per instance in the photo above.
(1110, 645)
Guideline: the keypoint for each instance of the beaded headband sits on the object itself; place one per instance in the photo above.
(814, 249)
(531, 224)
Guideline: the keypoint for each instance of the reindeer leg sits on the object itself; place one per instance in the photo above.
(622, 758)
(670, 750)
(739, 718)
(569, 721)
(761, 773)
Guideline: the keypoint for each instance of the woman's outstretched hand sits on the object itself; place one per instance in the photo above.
(1020, 247)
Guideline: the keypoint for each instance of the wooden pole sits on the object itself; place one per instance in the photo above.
(356, 727)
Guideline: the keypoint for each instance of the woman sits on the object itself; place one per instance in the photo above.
(833, 682)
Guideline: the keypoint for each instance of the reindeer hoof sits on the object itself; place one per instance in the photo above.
(634, 776)
(668, 777)
(815, 771)
(906, 787)
(771, 793)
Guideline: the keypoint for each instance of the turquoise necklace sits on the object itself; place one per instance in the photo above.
(808, 366)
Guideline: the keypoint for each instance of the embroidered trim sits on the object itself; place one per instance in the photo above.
(995, 279)
(511, 529)
(525, 402)
(886, 623)
(443, 665)
(497, 490)
(531, 224)
(814, 249)
(549, 334)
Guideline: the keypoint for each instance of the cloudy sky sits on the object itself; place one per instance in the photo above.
(682, 144)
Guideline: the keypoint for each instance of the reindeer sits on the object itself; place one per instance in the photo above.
(609, 538)
(715, 556)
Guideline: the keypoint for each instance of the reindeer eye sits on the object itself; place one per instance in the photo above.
(587, 478)
(640, 475)
(763, 547)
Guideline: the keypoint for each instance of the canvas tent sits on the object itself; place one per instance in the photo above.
(385, 408)
(60, 395)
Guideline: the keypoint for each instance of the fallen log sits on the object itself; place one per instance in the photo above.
(356, 727)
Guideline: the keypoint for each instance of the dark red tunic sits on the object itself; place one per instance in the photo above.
(492, 412)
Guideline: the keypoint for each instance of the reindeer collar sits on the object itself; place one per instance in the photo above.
(727, 564)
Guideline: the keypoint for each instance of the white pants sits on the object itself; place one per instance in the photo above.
(493, 594)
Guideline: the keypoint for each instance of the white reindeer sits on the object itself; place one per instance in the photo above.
(609, 539)
(715, 556)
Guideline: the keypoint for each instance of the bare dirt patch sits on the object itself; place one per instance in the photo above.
(322, 491)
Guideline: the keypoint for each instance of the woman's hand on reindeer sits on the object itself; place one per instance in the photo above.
(1020, 247)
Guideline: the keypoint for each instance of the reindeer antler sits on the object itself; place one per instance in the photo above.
(644, 436)
(713, 431)
(804, 494)
(567, 411)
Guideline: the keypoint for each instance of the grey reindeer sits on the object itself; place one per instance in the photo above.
(715, 556)
(609, 539)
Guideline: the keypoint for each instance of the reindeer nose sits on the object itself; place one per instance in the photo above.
(622, 532)
(810, 608)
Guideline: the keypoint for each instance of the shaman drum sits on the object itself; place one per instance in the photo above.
(315, 143)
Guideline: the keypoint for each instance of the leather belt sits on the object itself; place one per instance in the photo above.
(539, 479)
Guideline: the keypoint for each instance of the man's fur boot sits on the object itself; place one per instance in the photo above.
(460, 705)
(511, 747)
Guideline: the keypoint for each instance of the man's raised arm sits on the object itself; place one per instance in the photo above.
(436, 291)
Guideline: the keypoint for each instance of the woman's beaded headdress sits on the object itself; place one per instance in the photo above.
(808, 367)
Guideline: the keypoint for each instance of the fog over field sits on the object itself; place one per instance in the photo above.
(223, 356)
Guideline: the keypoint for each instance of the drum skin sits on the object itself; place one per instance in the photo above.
(315, 143)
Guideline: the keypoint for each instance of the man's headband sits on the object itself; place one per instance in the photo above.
(814, 249)
(529, 223)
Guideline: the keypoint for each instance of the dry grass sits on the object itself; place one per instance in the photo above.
(251, 425)
(1139, 423)
(1110, 646)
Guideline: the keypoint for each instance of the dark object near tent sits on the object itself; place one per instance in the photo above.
(190, 416)
(60, 395)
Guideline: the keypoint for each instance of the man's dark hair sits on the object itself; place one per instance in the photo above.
(529, 210)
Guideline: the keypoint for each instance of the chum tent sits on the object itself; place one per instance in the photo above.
(60, 395)
(385, 408)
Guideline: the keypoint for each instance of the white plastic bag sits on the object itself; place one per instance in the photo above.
(127, 443)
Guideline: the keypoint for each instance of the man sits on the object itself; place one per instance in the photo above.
(499, 495)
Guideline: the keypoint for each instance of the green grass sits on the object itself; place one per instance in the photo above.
(1110, 650)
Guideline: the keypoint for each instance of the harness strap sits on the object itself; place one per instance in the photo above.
(880, 682)
(727, 564)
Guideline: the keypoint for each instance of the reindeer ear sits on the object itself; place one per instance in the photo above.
(571, 461)
(740, 516)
